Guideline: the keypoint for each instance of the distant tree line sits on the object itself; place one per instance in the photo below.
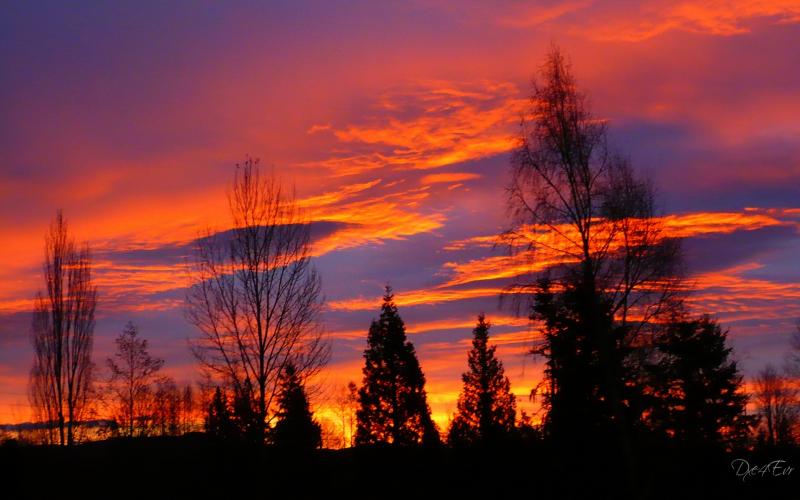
(141, 401)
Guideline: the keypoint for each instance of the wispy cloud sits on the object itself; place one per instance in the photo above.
(451, 177)
(629, 21)
(427, 125)
(712, 17)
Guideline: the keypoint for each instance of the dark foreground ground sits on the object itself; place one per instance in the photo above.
(195, 466)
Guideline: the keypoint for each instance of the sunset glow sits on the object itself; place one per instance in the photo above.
(395, 137)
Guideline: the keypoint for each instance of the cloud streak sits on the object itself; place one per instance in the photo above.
(427, 125)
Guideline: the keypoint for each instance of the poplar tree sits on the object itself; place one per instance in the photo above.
(63, 335)
(393, 406)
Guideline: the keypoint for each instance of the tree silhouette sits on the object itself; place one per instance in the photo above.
(165, 411)
(346, 406)
(296, 428)
(700, 399)
(777, 404)
(219, 421)
(63, 335)
(132, 375)
(248, 420)
(486, 406)
(187, 409)
(393, 406)
(256, 296)
(580, 211)
(575, 321)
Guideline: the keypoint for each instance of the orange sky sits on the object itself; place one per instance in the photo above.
(394, 125)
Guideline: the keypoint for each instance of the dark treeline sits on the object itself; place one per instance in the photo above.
(641, 396)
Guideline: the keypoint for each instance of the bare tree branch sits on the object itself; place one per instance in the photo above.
(62, 335)
(255, 295)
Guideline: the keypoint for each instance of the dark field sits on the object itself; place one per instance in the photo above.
(195, 466)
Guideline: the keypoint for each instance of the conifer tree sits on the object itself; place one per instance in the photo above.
(575, 387)
(393, 406)
(247, 421)
(219, 421)
(486, 406)
(296, 428)
(697, 386)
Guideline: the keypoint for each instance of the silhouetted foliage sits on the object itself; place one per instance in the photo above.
(256, 296)
(580, 208)
(580, 371)
(247, 418)
(346, 406)
(777, 405)
(132, 375)
(187, 409)
(582, 213)
(393, 406)
(63, 335)
(296, 428)
(527, 432)
(697, 385)
(219, 420)
(486, 407)
(166, 408)
(583, 210)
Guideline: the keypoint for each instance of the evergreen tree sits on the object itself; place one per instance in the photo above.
(486, 406)
(248, 423)
(393, 406)
(219, 421)
(296, 428)
(697, 386)
(588, 360)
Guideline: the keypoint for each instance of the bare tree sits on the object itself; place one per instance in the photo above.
(777, 405)
(187, 409)
(345, 407)
(579, 209)
(166, 408)
(792, 361)
(63, 334)
(588, 223)
(255, 296)
(132, 375)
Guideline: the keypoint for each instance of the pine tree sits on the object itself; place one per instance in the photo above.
(219, 421)
(296, 428)
(581, 369)
(393, 406)
(486, 406)
(248, 423)
(697, 386)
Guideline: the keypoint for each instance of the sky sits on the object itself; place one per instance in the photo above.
(394, 122)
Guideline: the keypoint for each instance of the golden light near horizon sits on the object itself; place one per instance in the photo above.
(396, 139)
